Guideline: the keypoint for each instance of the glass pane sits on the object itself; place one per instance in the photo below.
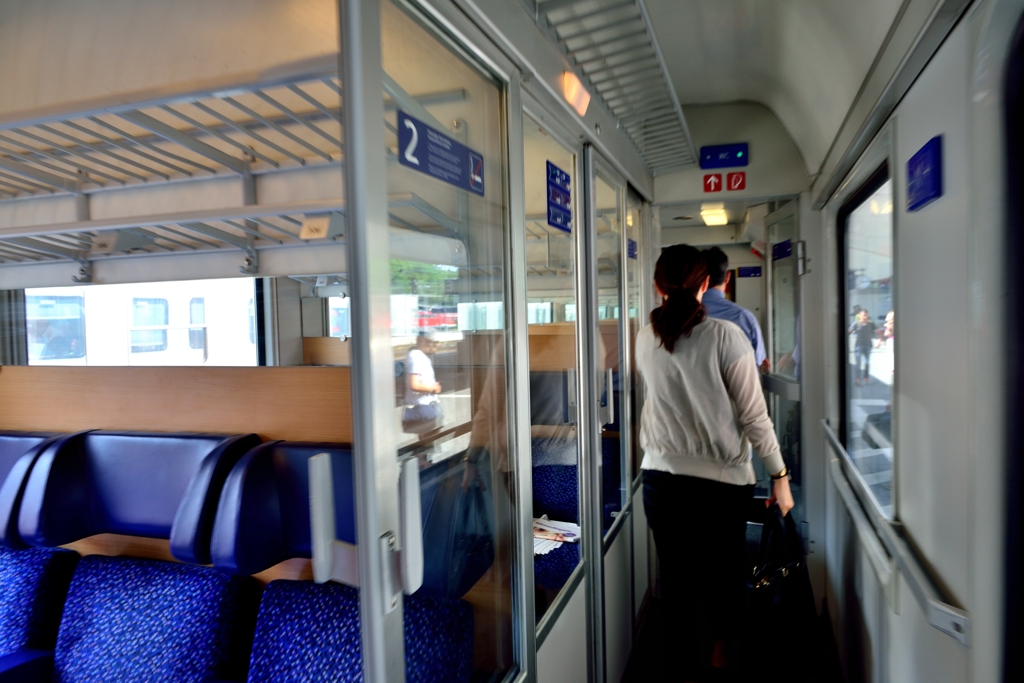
(634, 304)
(785, 334)
(151, 323)
(870, 342)
(551, 292)
(56, 327)
(609, 319)
(444, 132)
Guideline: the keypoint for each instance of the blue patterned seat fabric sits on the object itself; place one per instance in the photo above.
(144, 621)
(33, 585)
(556, 492)
(553, 570)
(309, 633)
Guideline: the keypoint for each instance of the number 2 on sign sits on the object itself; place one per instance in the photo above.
(413, 141)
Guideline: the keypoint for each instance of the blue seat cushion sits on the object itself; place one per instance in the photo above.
(33, 585)
(310, 633)
(145, 621)
(556, 492)
(554, 569)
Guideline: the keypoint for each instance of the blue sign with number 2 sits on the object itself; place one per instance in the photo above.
(430, 151)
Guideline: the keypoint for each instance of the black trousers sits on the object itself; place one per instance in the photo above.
(699, 529)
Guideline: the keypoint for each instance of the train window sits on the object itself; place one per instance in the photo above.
(340, 317)
(868, 326)
(149, 325)
(197, 323)
(444, 131)
(191, 322)
(55, 326)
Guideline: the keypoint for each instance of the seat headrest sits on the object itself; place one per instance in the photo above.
(549, 399)
(134, 483)
(18, 452)
(263, 517)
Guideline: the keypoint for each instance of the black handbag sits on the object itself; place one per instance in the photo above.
(458, 525)
(782, 634)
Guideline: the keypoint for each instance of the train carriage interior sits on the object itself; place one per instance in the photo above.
(319, 324)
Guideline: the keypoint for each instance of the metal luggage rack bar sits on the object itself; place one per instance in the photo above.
(245, 228)
(936, 605)
(614, 49)
(243, 131)
(287, 119)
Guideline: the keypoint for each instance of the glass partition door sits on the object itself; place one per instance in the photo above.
(783, 383)
(551, 193)
(444, 132)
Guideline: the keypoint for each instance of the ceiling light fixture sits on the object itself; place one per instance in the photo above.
(714, 214)
(575, 94)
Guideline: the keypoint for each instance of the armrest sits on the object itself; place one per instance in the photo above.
(26, 666)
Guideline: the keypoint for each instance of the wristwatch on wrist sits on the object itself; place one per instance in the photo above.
(782, 474)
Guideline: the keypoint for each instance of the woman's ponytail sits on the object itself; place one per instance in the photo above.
(679, 274)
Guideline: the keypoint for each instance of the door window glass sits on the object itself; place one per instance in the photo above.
(869, 319)
(444, 133)
(609, 195)
(197, 323)
(551, 291)
(634, 287)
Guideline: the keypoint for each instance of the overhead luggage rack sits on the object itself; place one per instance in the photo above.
(613, 46)
(248, 129)
(288, 119)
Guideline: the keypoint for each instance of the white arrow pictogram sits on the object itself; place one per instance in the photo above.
(712, 182)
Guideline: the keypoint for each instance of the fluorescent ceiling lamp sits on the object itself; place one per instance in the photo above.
(714, 214)
(574, 93)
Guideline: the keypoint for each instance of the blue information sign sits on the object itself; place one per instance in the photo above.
(430, 151)
(924, 175)
(782, 250)
(631, 248)
(559, 198)
(749, 271)
(724, 156)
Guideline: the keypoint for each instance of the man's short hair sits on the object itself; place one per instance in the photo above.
(717, 264)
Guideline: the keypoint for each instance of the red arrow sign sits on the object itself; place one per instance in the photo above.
(736, 181)
(713, 182)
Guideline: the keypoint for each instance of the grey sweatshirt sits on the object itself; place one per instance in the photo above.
(704, 407)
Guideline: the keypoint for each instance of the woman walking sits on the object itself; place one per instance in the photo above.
(703, 412)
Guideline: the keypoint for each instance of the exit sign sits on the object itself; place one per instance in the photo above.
(724, 156)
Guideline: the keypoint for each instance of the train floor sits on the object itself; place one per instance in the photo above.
(651, 661)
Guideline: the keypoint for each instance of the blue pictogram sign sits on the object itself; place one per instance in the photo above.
(430, 151)
(559, 198)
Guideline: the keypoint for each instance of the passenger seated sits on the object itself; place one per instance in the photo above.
(135, 620)
(306, 631)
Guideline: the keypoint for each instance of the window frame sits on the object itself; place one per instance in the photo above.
(150, 348)
(874, 181)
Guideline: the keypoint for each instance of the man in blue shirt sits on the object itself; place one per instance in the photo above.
(717, 306)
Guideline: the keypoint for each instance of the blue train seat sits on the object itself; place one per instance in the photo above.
(266, 502)
(129, 619)
(34, 580)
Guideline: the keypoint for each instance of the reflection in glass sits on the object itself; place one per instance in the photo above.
(551, 292)
(610, 326)
(634, 304)
(448, 335)
(870, 342)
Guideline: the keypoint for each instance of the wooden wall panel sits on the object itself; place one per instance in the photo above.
(297, 403)
(326, 351)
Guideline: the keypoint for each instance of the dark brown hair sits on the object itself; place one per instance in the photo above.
(679, 274)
